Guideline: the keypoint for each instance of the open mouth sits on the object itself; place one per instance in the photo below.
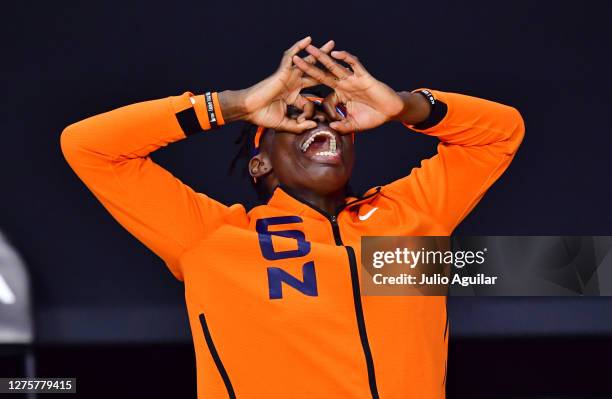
(321, 146)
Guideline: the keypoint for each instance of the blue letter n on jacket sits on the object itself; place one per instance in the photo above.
(307, 286)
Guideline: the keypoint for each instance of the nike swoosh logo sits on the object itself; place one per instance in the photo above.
(367, 215)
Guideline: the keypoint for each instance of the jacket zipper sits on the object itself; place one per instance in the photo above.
(363, 336)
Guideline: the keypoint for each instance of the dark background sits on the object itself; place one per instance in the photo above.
(104, 305)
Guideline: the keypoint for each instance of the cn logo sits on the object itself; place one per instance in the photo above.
(276, 275)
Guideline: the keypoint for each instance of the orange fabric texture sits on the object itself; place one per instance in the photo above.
(200, 108)
(337, 343)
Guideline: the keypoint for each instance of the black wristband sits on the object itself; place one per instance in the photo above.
(430, 97)
(210, 109)
(436, 114)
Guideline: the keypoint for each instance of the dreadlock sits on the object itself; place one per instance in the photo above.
(246, 145)
(246, 150)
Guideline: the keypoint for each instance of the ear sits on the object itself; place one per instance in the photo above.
(260, 165)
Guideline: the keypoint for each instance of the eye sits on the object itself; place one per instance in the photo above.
(293, 112)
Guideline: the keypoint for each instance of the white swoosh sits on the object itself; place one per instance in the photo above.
(367, 215)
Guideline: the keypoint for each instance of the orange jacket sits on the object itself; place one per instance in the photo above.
(273, 294)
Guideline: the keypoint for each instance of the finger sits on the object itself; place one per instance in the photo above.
(307, 112)
(293, 50)
(329, 105)
(332, 66)
(344, 126)
(292, 126)
(314, 72)
(326, 48)
(350, 59)
(307, 81)
(306, 106)
(298, 101)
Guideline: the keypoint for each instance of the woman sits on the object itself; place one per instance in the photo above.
(273, 293)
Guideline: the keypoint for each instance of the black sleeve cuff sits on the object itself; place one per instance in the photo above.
(188, 120)
(437, 113)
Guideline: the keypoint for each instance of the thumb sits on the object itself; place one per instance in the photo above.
(329, 105)
(344, 126)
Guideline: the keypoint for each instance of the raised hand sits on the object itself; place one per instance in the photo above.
(369, 102)
(265, 103)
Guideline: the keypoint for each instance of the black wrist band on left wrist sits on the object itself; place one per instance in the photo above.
(436, 114)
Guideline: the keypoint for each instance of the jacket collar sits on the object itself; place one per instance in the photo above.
(283, 198)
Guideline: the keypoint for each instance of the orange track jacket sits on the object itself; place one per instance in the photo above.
(273, 294)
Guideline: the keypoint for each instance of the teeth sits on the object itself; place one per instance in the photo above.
(326, 153)
(332, 141)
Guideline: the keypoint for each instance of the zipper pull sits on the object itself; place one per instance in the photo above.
(333, 219)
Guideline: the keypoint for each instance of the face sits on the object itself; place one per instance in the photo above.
(319, 160)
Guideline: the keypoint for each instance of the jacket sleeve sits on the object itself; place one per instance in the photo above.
(110, 154)
(478, 140)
